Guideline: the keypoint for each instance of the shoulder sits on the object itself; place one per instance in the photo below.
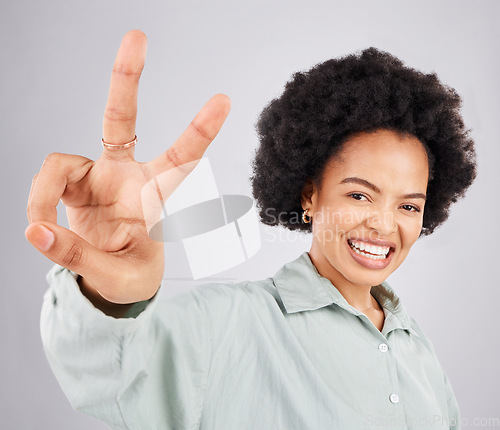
(216, 312)
(238, 294)
(226, 298)
(421, 335)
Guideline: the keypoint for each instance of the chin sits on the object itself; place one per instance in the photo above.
(369, 279)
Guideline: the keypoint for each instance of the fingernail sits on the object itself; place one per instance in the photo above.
(40, 236)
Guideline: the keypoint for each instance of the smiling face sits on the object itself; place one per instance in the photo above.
(368, 211)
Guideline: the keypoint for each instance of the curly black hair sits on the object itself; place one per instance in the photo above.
(363, 92)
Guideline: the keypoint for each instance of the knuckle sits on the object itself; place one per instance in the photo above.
(38, 207)
(183, 163)
(54, 158)
(127, 71)
(200, 131)
(74, 257)
(173, 157)
(30, 198)
(114, 114)
(34, 209)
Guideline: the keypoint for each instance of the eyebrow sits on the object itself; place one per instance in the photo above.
(354, 180)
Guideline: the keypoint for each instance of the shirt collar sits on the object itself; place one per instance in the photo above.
(302, 288)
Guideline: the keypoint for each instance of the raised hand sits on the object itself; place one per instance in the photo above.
(108, 242)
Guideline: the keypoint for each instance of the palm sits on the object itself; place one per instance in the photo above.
(105, 207)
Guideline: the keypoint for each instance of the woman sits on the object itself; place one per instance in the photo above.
(362, 151)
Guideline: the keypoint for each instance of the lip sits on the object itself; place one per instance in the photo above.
(367, 261)
(377, 242)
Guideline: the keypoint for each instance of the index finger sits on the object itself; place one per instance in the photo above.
(121, 108)
(49, 185)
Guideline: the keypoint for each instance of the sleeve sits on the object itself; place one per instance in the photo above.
(453, 410)
(145, 371)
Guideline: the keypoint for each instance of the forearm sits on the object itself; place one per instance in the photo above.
(111, 368)
(90, 352)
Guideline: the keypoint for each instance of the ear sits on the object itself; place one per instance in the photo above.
(307, 194)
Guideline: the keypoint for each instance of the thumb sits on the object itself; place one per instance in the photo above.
(114, 278)
(67, 249)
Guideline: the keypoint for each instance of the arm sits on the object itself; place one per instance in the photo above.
(115, 310)
(115, 357)
(453, 410)
(144, 371)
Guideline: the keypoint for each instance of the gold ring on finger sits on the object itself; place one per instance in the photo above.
(118, 146)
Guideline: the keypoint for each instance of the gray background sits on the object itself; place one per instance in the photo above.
(56, 61)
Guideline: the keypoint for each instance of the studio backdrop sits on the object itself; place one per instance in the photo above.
(56, 63)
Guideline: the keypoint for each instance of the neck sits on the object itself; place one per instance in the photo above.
(358, 296)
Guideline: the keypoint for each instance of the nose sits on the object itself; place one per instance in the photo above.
(383, 221)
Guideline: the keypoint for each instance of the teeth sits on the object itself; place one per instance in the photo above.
(379, 251)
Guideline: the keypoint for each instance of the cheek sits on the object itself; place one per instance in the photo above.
(409, 234)
(332, 225)
(338, 214)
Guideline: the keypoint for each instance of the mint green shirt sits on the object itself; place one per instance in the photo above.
(287, 352)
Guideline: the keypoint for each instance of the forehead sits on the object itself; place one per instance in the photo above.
(382, 156)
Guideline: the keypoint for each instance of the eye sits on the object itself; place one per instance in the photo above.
(358, 196)
(410, 208)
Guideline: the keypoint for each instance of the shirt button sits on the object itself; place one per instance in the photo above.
(383, 347)
(394, 398)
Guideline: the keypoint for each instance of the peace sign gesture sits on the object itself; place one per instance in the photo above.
(108, 242)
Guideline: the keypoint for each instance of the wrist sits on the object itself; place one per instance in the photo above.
(115, 310)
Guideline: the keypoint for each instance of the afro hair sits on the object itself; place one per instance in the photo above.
(363, 92)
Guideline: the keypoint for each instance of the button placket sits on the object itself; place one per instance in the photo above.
(393, 397)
